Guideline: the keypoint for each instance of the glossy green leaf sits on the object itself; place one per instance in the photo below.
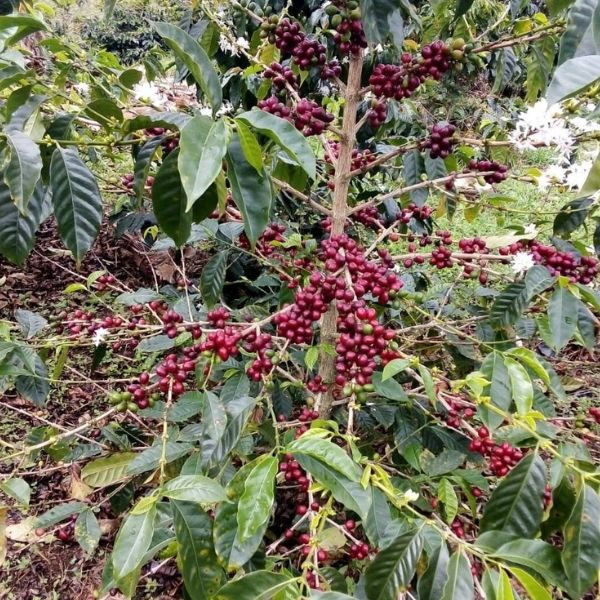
(459, 584)
(194, 488)
(562, 317)
(573, 76)
(35, 388)
(18, 230)
(572, 215)
(87, 531)
(191, 53)
(59, 513)
(538, 555)
(391, 571)
(24, 168)
(521, 386)
(538, 280)
(349, 493)
(581, 552)
(462, 7)
(327, 452)
(132, 542)
(202, 148)
(149, 459)
(31, 323)
(500, 392)
(516, 505)
(256, 502)
(579, 22)
(394, 367)
(169, 201)
(447, 496)
(107, 471)
(76, 199)
(431, 583)
(17, 488)
(214, 418)
(251, 191)
(283, 133)
(143, 161)
(534, 589)
(509, 304)
(212, 279)
(382, 19)
(202, 574)
(260, 585)
(250, 145)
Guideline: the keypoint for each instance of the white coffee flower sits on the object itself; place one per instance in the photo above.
(577, 175)
(521, 262)
(530, 229)
(82, 88)
(99, 336)
(553, 175)
(144, 90)
(233, 48)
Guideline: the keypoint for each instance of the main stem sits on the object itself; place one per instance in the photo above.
(339, 212)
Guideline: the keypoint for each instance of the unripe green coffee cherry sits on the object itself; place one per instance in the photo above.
(132, 406)
(336, 20)
(331, 10)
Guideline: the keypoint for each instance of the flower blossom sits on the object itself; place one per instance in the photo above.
(99, 336)
(521, 263)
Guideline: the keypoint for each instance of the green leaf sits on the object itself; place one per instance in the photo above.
(170, 202)
(413, 168)
(378, 517)
(459, 584)
(581, 552)
(213, 279)
(250, 145)
(202, 574)
(59, 513)
(23, 169)
(494, 370)
(17, 488)
(150, 459)
(462, 7)
(509, 305)
(194, 488)
(256, 502)
(393, 568)
(572, 77)
(283, 133)
(431, 583)
(105, 112)
(389, 388)
(31, 323)
(349, 493)
(538, 280)
(34, 388)
(189, 51)
(251, 192)
(156, 343)
(132, 542)
(143, 161)
(328, 452)
(448, 497)
(540, 556)
(535, 590)
(76, 199)
(202, 148)
(382, 18)
(521, 386)
(572, 215)
(18, 230)
(87, 531)
(260, 585)
(103, 472)
(562, 317)
(578, 23)
(592, 182)
(214, 418)
(394, 367)
(109, 7)
(516, 504)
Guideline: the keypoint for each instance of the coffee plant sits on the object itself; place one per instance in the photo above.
(350, 400)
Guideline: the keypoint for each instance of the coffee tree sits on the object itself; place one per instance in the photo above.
(350, 401)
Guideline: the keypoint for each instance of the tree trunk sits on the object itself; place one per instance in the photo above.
(338, 217)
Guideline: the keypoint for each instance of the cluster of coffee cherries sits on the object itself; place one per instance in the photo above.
(369, 216)
(472, 245)
(222, 343)
(281, 76)
(457, 412)
(307, 116)
(412, 211)
(104, 281)
(401, 81)
(309, 53)
(582, 269)
(346, 20)
(595, 413)
(173, 371)
(127, 181)
(496, 172)
(503, 457)
(169, 144)
(262, 345)
(377, 113)
(441, 140)
(362, 340)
